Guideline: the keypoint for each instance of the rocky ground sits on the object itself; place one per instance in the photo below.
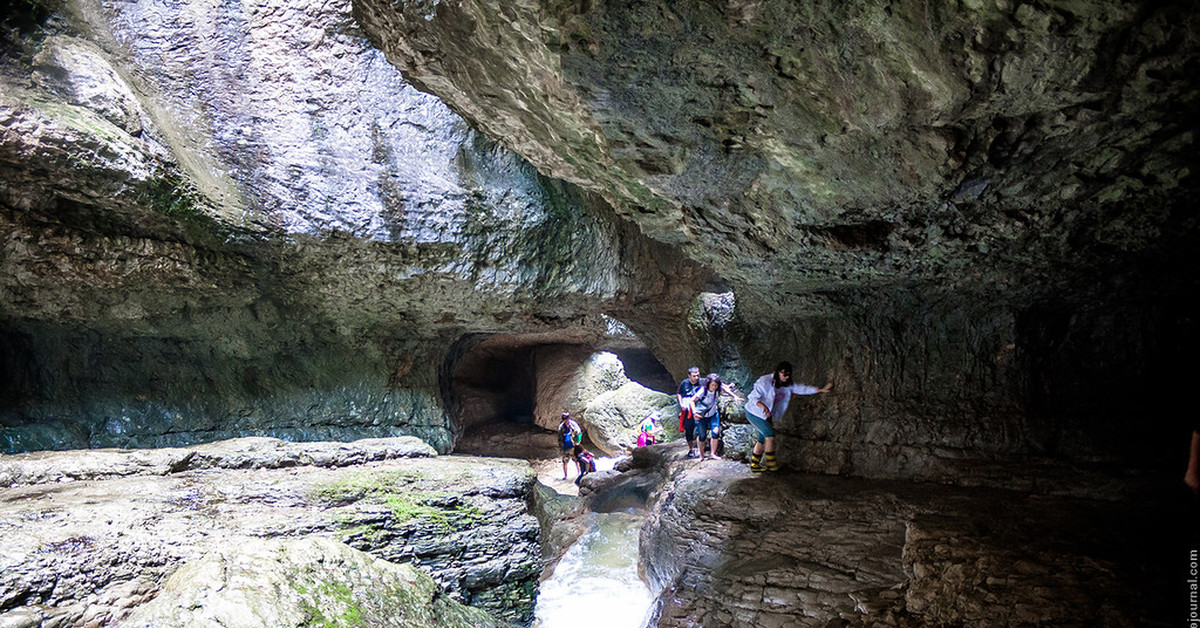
(151, 537)
(89, 535)
(725, 547)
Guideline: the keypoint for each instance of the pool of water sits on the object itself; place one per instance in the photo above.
(596, 583)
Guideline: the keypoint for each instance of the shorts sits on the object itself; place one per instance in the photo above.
(761, 425)
(710, 425)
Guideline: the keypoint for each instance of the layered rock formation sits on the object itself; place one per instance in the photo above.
(974, 218)
(245, 222)
(91, 535)
(725, 548)
(302, 583)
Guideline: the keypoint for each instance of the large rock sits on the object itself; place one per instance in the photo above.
(615, 416)
(972, 218)
(301, 582)
(90, 534)
(724, 547)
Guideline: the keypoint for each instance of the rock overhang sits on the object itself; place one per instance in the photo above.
(807, 149)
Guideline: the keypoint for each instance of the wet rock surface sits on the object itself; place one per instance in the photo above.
(724, 547)
(83, 550)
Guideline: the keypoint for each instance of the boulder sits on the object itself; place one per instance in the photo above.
(613, 417)
(89, 535)
(301, 582)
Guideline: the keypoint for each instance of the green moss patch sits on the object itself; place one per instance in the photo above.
(399, 492)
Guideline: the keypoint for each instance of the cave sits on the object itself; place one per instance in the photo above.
(506, 393)
(366, 230)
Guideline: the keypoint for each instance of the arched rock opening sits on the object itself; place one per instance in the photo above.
(506, 393)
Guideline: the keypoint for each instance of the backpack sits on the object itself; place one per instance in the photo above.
(587, 460)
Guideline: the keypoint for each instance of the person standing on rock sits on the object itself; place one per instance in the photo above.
(708, 418)
(569, 435)
(767, 402)
(687, 411)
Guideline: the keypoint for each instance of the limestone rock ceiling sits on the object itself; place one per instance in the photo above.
(801, 148)
(304, 171)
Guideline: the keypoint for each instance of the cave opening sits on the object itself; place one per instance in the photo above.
(506, 393)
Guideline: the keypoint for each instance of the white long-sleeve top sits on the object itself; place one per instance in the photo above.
(775, 399)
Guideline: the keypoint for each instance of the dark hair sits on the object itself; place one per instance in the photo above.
(784, 366)
(578, 450)
(712, 377)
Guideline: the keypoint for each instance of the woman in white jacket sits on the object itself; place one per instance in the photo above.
(768, 401)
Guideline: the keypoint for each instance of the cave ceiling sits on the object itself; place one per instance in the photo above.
(811, 152)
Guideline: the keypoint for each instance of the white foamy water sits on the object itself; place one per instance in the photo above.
(596, 583)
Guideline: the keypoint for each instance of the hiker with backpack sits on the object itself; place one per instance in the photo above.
(767, 402)
(708, 417)
(569, 436)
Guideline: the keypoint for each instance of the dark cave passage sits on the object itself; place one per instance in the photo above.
(505, 393)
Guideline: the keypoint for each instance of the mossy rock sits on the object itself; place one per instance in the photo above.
(614, 417)
(309, 583)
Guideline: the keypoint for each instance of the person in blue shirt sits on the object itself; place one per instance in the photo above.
(569, 436)
(687, 411)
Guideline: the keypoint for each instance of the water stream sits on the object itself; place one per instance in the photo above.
(596, 583)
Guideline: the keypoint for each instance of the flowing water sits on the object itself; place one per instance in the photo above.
(596, 583)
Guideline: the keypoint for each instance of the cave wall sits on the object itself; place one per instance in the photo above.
(973, 218)
(241, 220)
(960, 390)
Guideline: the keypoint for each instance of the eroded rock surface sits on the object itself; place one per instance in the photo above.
(78, 550)
(724, 547)
(247, 223)
(301, 582)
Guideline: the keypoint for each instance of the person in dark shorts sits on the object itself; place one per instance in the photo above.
(569, 436)
(687, 410)
(1192, 476)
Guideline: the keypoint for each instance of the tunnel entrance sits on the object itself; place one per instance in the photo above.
(506, 393)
